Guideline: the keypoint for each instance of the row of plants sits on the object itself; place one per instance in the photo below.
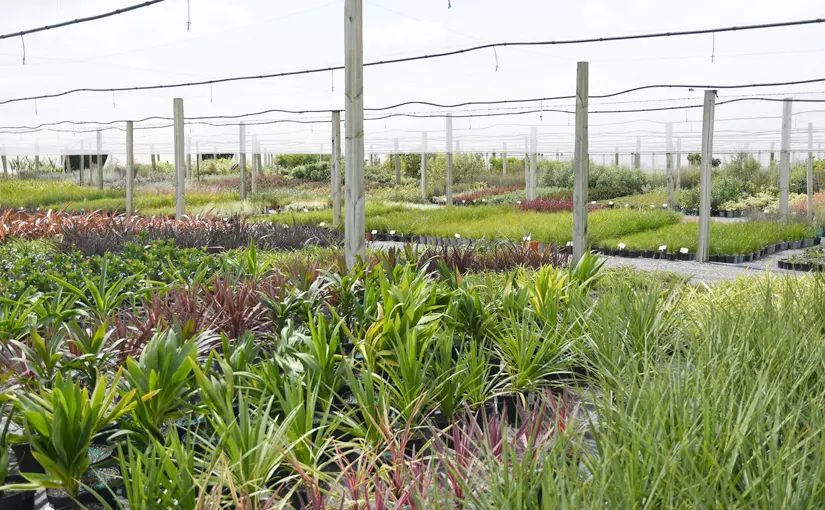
(401, 386)
(812, 259)
(726, 239)
(552, 205)
(502, 222)
(97, 233)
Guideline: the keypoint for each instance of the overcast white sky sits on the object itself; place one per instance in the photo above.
(242, 37)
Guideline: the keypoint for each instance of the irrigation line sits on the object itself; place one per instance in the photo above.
(448, 54)
(81, 20)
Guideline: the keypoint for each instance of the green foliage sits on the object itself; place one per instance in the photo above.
(289, 161)
(312, 171)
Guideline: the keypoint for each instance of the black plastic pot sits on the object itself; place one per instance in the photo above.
(747, 258)
(26, 463)
(632, 254)
(781, 264)
(730, 259)
(23, 500)
(817, 241)
(714, 258)
(691, 257)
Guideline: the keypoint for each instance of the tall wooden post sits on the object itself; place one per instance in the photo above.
(785, 157)
(180, 162)
(424, 166)
(448, 178)
(188, 157)
(531, 181)
(671, 194)
(242, 159)
(705, 174)
(99, 159)
(678, 164)
(504, 160)
(810, 171)
(82, 162)
(397, 164)
(130, 170)
(254, 180)
(335, 169)
(581, 169)
(355, 216)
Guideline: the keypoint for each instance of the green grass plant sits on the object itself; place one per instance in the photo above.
(725, 238)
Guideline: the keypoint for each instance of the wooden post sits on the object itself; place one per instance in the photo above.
(130, 167)
(5, 164)
(581, 168)
(254, 185)
(99, 159)
(705, 174)
(671, 194)
(397, 164)
(355, 216)
(785, 157)
(188, 157)
(448, 178)
(637, 159)
(531, 181)
(242, 159)
(372, 154)
(154, 161)
(504, 160)
(335, 169)
(678, 164)
(810, 171)
(424, 166)
(180, 163)
(82, 162)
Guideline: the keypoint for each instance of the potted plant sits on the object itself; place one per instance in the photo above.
(61, 423)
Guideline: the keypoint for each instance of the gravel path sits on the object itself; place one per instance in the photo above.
(698, 272)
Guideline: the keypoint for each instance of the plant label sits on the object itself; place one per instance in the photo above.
(622, 246)
(684, 251)
(663, 247)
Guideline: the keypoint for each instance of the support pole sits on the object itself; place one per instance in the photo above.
(189, 157)
(785, 157)
(708, 118)
(526, 164)
(617, 157)
(678, 164)
(99, 159)
(5, 163)
(531, 181)
(671, 194)
(180, 163)
(637, 159)
(424, 166)
(198, 160)
(397, 164)
(82, 161)
(242, 159)
(773, 155)
(154, 161)
(255, 150)
(354, 218)
(37, 156)
(581, 168)
(335, 169)
(810, 171)
(130, 170)
(504, 160)
(448, 178)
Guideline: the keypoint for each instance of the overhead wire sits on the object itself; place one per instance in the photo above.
(79, 21)
(453, 53)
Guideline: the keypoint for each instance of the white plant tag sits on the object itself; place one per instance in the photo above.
(663, 247)
(684, 251)
(622, 246)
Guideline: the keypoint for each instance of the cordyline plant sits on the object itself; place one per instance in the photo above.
(97, 232)
(547, 204)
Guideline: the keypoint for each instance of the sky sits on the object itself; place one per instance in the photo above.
(252, 37)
